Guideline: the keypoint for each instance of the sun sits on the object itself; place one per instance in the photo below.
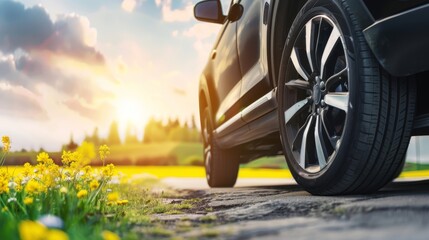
(130, 111)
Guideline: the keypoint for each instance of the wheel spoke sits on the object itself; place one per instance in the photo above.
(296, 63)
(303, 152)
(207, 149)
(333, 39)
(336, 78)
(299, 84)
(320, 144)
(295, 109)
(338, 100)
(309, 40)
(298, 138)
(332, 140)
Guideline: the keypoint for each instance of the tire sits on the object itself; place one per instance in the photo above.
(221, 165)
(345, 124)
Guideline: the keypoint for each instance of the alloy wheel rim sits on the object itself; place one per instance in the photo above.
(316, 94)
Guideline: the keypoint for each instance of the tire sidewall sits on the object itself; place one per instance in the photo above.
(339, 164)
(207, 120)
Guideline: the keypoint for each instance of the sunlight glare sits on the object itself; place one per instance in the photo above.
(130, 111)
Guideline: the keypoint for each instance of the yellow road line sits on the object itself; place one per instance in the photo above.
(414, 174)
(189, 171)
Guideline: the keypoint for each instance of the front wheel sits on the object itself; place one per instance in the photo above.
(221, 165)
(345, 124)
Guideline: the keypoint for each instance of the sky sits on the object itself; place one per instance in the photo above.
(69, 66)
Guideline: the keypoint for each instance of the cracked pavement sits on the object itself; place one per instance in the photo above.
(398, 211)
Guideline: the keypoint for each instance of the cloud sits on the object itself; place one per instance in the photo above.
(36, 52)
(169, 14)
(202, 31)
(129, 5)
(19, 102)
(96, 112)
(203, 35)
(35, 31)
(31, 71)
(32, 29)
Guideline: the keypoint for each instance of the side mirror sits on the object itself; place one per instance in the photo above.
(209, 11)
(235, 12)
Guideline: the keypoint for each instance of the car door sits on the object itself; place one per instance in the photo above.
(251, 46)
(226, 73)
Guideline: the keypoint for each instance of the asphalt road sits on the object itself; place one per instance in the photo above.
(263, 209)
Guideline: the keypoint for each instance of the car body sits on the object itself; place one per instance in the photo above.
(239, 86)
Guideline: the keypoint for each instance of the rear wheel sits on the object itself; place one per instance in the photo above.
(345, 124)
(221, 165)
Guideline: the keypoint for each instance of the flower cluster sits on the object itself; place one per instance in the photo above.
(73, 192)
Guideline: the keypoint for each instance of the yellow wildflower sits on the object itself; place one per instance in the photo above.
(122, 202)
(6, 143)
(87, 152)
(34, 187)
(17, 183)
(44, 158)
(28, 200)
(94, 184)
(103, 151)
(4, 173)
(4, 188)
(69, 157)
(108, 235)
(4, 209)
(78, 186)
(48, 180)
(63, 190)
(29, 230)
(28, 169)
(82, 193)
(56, 234)
(113, 197)
(108, 171)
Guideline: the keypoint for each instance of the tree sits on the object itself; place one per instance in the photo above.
(194, 123)
(113, 137)
(71, 146)
(95, 137)
(130, 134)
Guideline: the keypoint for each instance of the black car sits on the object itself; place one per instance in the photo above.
(337, 86)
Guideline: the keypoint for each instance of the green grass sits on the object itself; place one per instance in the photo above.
(415, 167)
(182, 152)
(277, 162)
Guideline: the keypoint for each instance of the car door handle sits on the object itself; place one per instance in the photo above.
(213, 55)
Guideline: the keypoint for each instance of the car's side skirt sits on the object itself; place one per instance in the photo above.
(255, 121)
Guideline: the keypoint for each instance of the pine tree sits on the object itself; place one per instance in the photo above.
(95, 138)
(130, 134)
(113, 137)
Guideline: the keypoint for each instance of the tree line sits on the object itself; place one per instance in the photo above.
(155, 131)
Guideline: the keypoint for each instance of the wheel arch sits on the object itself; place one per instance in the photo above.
(204, 97)
(283, 15)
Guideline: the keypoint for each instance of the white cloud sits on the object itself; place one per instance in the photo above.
(129, 5)
(169, 14)
(202, 31)
(203, 35)
(21, 103)
(175, 33)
